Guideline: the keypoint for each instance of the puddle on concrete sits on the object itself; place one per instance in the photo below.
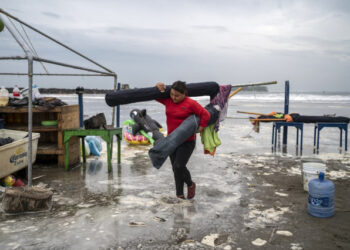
(96, 209)
(136, 204)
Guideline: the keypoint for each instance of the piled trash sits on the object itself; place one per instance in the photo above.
(19, 98)
(4, 141)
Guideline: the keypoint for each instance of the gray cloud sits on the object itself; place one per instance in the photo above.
(211, 28)
(139, 31)
(306, 42)
(51, 14)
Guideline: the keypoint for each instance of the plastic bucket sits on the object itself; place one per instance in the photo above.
(311, 171)
(307, 160)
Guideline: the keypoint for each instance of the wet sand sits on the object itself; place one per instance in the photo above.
(243, 201)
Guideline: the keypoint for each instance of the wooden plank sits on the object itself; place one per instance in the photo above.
(74, 153)
(60, 140)
(251, 113)
(70, 117)
(70, 109)
(10, 109)
(39, 109)
(36, 128)
(266, 119)
(60, 133)
(48, 149)
(60, 161)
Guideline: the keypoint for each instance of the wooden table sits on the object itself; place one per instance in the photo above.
(105, 134)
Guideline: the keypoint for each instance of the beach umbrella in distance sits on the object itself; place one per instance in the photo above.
(2, 26)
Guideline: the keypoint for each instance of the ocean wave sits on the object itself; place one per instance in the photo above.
(260, 97)
(299, 97)
(89, 96)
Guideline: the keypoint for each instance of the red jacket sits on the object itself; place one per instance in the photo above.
(176, 113)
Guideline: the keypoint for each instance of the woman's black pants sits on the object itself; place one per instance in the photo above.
(179, 160)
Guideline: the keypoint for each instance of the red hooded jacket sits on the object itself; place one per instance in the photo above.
(176, 113)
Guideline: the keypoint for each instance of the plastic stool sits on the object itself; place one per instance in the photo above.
(276, 129)
(319, 126)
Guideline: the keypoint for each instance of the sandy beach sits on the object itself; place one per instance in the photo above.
(247, 197)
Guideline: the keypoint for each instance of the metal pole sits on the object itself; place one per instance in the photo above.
(79, 91)
(49, 74)
(13, 57)
(286, 111)
(118, 109)
(30, 104)
(113, 110)
(39, 59)
(30, 74)
(54, 40)
(9, 28)
(30, 117)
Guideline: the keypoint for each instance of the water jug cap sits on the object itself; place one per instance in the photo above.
(321, 176)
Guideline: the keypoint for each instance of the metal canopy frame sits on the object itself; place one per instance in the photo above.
(31, 57)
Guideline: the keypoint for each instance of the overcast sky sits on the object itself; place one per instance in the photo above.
(230, 42)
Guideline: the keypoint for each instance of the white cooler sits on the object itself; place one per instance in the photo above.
(14, 156)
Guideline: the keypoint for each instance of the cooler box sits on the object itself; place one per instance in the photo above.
(13, 156)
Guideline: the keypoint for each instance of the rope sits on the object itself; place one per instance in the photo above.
(248, 135)
(31, 48)
(42, 64)
(19, 33)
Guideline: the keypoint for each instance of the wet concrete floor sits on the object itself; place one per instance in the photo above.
(243, 201)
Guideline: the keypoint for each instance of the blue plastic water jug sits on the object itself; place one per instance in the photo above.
(321, 197)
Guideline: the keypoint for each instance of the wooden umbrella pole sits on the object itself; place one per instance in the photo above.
(254, 84)
(250, 113)
(267, 119)
(234, 92)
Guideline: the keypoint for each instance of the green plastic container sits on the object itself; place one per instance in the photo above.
(49, 123)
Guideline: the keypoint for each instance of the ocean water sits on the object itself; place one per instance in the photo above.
(236, 132)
